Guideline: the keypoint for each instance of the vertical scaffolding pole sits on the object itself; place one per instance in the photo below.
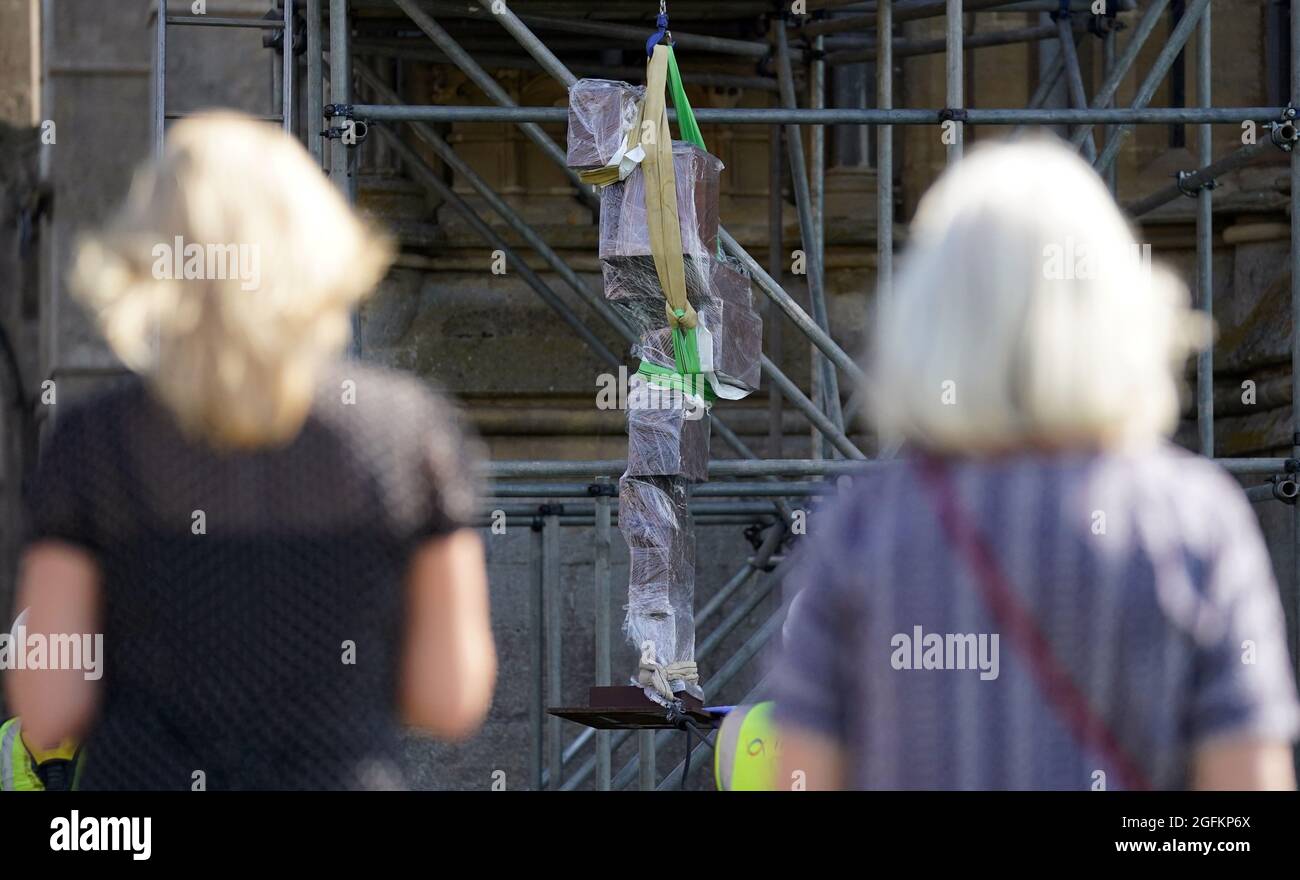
(315, 97)
(536, 614)
(885, 152)
(287, 62)
(803, 201)
(645, 742)
(817, 183)
(159, 78)
(1295, 312)
(553, 600)
(776, 268)
(603, 675)
(956, 78)
(1205, 246)
(340, 93)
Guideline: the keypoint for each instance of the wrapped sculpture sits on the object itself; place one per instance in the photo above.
(667, 432)
(656, 523)
(601, 113)
(699, 339)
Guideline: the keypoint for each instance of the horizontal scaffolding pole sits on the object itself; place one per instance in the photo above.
(700, 490)
(1197, 179)
(793, 467)
(905, 47)
(844, 115)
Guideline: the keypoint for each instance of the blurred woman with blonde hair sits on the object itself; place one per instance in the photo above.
(273, 541)
(1043, 592)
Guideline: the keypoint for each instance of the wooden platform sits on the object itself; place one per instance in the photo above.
(627, 707)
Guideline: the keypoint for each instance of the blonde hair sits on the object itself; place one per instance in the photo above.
(1025, 314)
(228, 277)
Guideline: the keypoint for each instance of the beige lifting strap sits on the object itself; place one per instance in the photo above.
(661, 191)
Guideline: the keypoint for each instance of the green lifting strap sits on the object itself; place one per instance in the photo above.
(686, 348)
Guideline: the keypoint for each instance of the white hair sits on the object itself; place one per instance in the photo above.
(228, 277)
(1025, 314)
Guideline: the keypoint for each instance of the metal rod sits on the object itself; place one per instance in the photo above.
(723, 489)
(340, 94)
(1295, 320)
(315, 87)
(218, 21)
(536, 628)
(775, 263)
(1105, 95)
(1205, 245)
(1074, 75)
(554, 602)
(954, 66)
(288, 68)
(807, 226)
(1177, 40)
(646, 746)
(794, 467)
(1194, 181)
(159, 77)
(844, 115)
(819, 366)
(884, 154)
(600, 565)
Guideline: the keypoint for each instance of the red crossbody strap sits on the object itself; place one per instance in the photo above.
(1019, 624)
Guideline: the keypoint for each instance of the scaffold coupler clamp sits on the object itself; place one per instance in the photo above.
(1284, 133)
(352, 133)
(953, 114)
(1285, 488)
(1192, 191)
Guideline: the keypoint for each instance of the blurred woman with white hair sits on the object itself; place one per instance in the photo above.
(1042, 592)
(272, 541)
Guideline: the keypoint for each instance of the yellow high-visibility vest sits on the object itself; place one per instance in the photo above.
(18, 764)
(747, 755)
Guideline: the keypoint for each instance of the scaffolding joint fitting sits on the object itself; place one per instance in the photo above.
(1285, 488)
(1193, 191)
(273, 38)
(602, 490)
(1284, 133)
(953, 114)
(550, 510)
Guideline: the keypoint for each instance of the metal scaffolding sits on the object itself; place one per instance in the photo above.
(749, 489)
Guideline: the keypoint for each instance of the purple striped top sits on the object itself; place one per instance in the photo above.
(1144, 576)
